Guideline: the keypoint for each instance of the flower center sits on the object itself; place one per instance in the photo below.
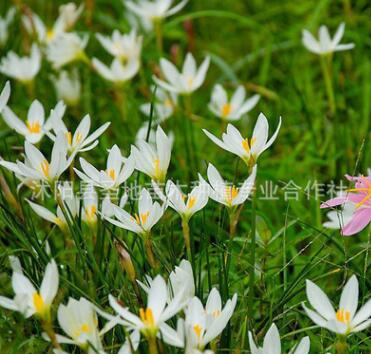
(33, 127)
(190, 82)
(366, 189)
(343, 316)
(156, 165)
(78, 137)
(38, 302)
(168, 103)
(45, 168)
(191, 202)
(69, 138)
(231, 193)
(215, 313)
(247, 145)
(197, 329)
(50, 34)
(142, 218)
(111, 173)
(147, 317)
(226, 109)
(91, 212)
(84, 328)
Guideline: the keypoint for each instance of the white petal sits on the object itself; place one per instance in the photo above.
(319, 300)
(49, 285)
(349, 296)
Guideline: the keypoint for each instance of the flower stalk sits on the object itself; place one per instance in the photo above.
(326, 72)
(149, 251)
(187, 240)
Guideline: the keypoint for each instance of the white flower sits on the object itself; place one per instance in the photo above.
(35, 126)
(272, 343)
(117, 171)
(202, 325)
(108, 207)
(185, 82)
(149, 213)
(339, 218)
(68, 87)
(23, 69)
(181, 281)
(79, 321)
(36, 167)
(154, 162)
(151, 321)
(4, 96)
(325, 45)
(28, 300)
(247, 149)
(233, 109)
(185, 205)
(164, 105)
(130, 346)
(346, 319)
(68, 15)
(66, 48)
(225, 193)
(70, 202)
(122, 46)
(80, 141)
(118, 72)
(4, 24)
(154, 10)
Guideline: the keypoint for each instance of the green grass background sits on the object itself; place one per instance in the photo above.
(258, 44)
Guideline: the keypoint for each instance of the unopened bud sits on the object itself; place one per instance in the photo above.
(126, 262)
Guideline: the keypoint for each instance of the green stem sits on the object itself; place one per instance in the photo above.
(325, 65)
(187, 240)
(48, 328)
(149, 251)
(250, 299)
(152, 344)
(159, 36)
(341, 345)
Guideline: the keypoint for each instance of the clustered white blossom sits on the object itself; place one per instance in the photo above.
(198, 325)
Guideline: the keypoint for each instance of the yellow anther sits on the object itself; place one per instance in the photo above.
(231, 193)
(198, 329)
(216, 313)
(343, 316)
(45, 168)
(38, 303)
(156, 165)
(69, 138)
(50, 34)
(247, 145)
(191, 202)
(147, 317)
(33, 127)
(168, 103)
(142, 218)
(226, 109)
(78, 137)
(111, 173)
(85, 328)
(91, 211)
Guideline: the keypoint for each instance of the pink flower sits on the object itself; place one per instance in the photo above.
(361, 197)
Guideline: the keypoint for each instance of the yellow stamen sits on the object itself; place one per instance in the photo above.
(50, 34)
(91, 212)
(168, 103)
(226, 109)
(78, 137)
(156, 164)
(343, 316)
(111, 173)
(142, 218)
(33, 127)
(69, 138)
(366, 189)
(147, 317)
(85, 328)
(38, 303)
(216, 313)
(190, 81)
(248, 145)
(45, 168)
(191, 202)
(231, 193)
(198, 329)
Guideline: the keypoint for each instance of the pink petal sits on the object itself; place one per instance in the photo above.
(360, 220)
(334, 202)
